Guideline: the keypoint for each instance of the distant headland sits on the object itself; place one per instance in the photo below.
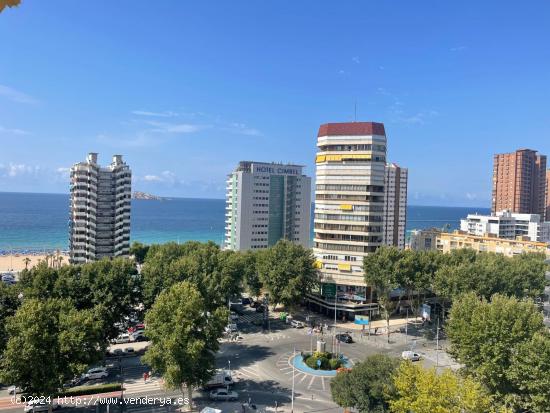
(150, 197)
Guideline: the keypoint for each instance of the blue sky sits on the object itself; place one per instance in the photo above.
(184, 90)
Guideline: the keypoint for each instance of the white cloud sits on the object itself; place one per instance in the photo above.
(165, 177)
(16, 96)
(242, 129)
(165, 127)
(355, 59)
(13, 131)
(165, 114)
(152, 178)
(458, 48)
(470, 196)
(13, 170)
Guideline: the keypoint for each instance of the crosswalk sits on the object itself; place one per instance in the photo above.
(313, 382)
(139, 386)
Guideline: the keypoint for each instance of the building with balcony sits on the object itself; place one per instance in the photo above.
(395, 205)
(433, 239)
(349, 213)
(100, 202)
(266, 202)
(509, 225)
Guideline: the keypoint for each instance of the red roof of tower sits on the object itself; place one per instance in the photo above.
(351, 128)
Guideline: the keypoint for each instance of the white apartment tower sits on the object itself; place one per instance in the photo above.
(395, 205)
(349, 211)
(267, 202)
(100, 210)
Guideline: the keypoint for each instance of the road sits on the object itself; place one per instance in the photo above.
(259, 363)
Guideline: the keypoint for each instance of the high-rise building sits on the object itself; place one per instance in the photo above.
(349, 212)
(266, 202)
(519, 182)
(547, 215)
(395, 205)
(100, 210)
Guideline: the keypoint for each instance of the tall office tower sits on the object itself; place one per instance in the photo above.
(267, 202)
(519, 182)
(547, 215)
(395, 205)
(100, 210)
(349, 211)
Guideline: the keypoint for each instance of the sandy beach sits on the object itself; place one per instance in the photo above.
(16, 262)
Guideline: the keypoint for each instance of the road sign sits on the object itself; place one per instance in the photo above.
(328, 290)
(362, 320)
(318, 363)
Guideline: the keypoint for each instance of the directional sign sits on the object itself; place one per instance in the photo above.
(328, 290)
(318, 363)
(362, 319)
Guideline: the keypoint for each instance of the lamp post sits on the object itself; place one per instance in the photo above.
(437, 345)
(293, 371)
(229, 366)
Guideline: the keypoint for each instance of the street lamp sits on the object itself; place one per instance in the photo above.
(229, 366)
(293, 371)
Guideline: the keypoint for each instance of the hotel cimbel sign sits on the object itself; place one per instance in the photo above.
(276, 169)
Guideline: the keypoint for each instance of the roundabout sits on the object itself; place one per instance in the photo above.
(297, 361)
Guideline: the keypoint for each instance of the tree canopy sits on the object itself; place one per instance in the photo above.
(364, 387)
(9, 302)
(287, 271)
(420, 390)
(184, 336)
(484, 335)
(217, 274)
(49, 343)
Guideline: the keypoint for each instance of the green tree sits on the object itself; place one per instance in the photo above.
(217, 274)
(251, 279)
(49, 343)
(382, 275)
(184, 337)
(364, 388)
(139, 251)
(421, 390)
(529, 373)
(485, 334)
(287, 271)
(9, 302)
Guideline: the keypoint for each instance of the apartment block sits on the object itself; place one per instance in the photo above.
(519, 182)
(266, 202)
(99, 210)
(509, 225)
(395, 205)
(349, 212)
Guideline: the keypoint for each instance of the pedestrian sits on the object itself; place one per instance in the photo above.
(242, 406)
(145, 377)
(276, 405)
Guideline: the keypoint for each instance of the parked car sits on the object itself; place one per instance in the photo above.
(231, 328)
(137, 334)
(38, 405)
(14, 389)
(122, 339)
(222, 378)
(344, 338)
(234, 316)
(117, 352)
(129, 350)
(141, 338)
(247, 301)
(96, 373)
(410, 355)
(223, 394)
(296, 324)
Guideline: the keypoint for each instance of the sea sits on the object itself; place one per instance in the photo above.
(31, 222)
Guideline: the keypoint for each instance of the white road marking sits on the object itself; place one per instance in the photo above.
(311, 381)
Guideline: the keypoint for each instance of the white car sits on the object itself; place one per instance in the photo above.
(96, 373)
(231, 328)
(297, 324)
(14, 389)
(222, 394)
(410, 355)
(234, 316)
(136, 335)
(40, 405)
(122, 339)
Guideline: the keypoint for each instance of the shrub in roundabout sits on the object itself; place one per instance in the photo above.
(328, 361)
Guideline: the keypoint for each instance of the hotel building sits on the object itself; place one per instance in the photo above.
(99, 210)
(519, 182)
(266, 202)
(349, 212)
(395, 205)
(509, 225)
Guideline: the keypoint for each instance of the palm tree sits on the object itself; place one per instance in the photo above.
(27, 261)
(59, 259)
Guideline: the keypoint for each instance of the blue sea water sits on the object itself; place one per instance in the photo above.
(40, 221)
